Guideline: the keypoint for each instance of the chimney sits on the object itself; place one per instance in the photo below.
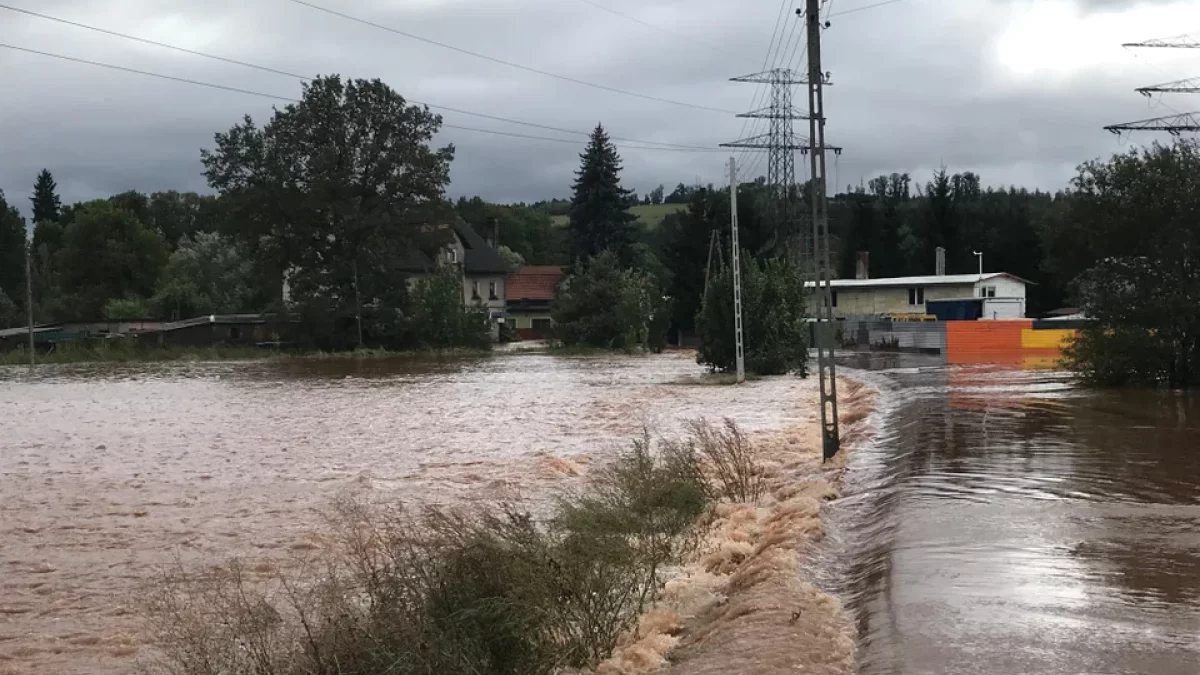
(862, 268)
(494, 240)
(939, 267)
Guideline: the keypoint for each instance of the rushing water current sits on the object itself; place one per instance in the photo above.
(108, 474)
(1005, 522)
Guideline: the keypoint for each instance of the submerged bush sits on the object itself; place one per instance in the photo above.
(437, 591)
(773, 322)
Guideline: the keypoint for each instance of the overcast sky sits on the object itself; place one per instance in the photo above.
(1015, 90)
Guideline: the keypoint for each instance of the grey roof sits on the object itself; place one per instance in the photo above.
(24, 330)
(944, 280)
(478, 257)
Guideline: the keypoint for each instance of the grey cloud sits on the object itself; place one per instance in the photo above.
(915, 87)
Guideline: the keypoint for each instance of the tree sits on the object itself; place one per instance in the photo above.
(207, 274)
(12, 256)
(107, 253)
(1137, 214)
(512, 260)
(46, 205)
(656, 195)
(527, 231)
(600, 220)
(603, 305)
(439, 318)
(774, 325)
(175, 215)
(334, 188)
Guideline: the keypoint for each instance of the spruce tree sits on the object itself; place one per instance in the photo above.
(46, 205)
(600, 220)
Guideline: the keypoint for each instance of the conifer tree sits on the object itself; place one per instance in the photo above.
(600, 217)
(46, 205)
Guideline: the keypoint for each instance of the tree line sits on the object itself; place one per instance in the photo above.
(312, 212)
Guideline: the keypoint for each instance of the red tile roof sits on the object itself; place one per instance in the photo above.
(534, 283)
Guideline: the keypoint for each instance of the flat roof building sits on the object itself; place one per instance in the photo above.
(991, 296)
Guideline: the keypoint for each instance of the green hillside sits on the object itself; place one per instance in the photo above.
(649, 214)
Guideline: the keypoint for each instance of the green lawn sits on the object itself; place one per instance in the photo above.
(649, 214)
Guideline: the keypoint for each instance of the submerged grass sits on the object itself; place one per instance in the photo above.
(485, 591)
(126, 353)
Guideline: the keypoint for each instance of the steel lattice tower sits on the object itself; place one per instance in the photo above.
(1172, 124)
(780, 142)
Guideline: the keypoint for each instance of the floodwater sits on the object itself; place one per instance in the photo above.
(1005, 522)
(109, 474)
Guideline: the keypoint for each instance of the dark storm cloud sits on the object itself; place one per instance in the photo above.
(918, 84)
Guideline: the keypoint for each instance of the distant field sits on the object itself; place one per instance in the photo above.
(650, 214)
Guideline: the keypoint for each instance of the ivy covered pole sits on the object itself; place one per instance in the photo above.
(737, 273)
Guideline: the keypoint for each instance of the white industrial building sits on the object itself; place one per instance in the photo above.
(990, 296)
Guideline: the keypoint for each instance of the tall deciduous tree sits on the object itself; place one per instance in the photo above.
(207, 274)
(46, 205)
(1137, 215)
(333, 187)
(600, 217)
(12, 262)
(107, 253)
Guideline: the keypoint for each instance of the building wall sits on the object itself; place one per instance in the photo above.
(484, 299)
(889, 300)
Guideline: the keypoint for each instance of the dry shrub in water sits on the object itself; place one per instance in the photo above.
(480, 592)
(729, 458)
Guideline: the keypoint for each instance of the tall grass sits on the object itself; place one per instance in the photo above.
(482, 592)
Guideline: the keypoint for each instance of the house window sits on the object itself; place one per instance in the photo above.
(987, 291)
(833, 299)
(474, 290)
(916, 296)
(492, 291)
(452, 255)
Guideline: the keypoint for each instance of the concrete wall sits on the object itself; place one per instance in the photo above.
(889, 300)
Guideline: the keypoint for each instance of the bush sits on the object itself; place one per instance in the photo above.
(483, 592)
(730, 462)
(773, 319)
(119, 309)
(602, 305)
(438, 317)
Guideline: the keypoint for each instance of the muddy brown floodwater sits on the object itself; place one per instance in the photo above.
(109, 474)
(1006, 523)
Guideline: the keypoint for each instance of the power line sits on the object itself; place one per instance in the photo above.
(511, 64)
(148, 42)
(276, 71)
(655, 26)
(292, 99)
(864, 8)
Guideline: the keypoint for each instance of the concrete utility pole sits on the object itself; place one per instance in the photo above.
(830, 433)
(979, 254)
(737, 273)
(29, 302)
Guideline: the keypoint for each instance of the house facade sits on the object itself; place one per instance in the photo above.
(531, 292)
(993, 296)
(483, 270)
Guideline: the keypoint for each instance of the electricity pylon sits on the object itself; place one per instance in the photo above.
(1173, 124)
(1178, 42)
(781, 143)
